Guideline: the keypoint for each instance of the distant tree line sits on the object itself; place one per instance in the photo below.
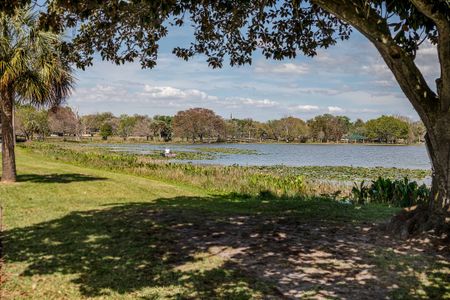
(204, 125)
(32, 123)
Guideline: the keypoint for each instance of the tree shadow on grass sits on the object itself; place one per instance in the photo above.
(204, 248)
(57, 178)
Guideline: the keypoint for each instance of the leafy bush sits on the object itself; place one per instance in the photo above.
(400, 193)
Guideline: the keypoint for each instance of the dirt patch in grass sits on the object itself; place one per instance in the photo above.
(304, 259)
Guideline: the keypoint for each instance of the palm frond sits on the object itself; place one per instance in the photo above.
(30, 61)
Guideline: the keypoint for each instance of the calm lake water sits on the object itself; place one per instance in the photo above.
(412, 157)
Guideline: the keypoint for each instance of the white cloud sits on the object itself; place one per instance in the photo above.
(305, 108)
(100, 93)
(378, 69)
(428, 62)
(260, 103)
(153, 98)
(291, 68)
(363, 110)
(286, 68)
(156, 95)
(322, 91)
(385, 83)
(172, 93)
(238, 101)
(335, 109)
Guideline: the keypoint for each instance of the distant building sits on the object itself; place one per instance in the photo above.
(356, 138)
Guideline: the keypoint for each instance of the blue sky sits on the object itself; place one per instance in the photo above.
(347, 79)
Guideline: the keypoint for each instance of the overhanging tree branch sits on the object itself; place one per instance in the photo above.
(367, 21)
(443, 26)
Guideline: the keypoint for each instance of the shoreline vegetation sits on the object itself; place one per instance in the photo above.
(280, 181)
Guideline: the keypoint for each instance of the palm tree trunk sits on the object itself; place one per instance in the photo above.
(14, 124)
(8, 156)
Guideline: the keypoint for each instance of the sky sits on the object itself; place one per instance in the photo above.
(349, 78)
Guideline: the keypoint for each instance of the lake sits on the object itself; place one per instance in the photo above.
(411, 157)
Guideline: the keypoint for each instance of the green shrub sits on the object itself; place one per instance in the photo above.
(399, 193)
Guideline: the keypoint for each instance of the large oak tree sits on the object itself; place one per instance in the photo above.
(198, 123)
(233, 29)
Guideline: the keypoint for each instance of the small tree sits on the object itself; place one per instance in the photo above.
(162, 127)
(30, 121)
(357, 131)
(126, 126)
(327, 127)
(62, 120)
(143, 127)
(91, 123)
(419, 131)
(289, 129)
(25, 121)
(42, 126)
(106, 130)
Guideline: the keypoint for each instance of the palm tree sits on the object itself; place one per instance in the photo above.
(32, 71)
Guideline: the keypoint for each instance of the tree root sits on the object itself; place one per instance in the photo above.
(418, 219)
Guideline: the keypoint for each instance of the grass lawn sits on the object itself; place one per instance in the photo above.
(72, 232)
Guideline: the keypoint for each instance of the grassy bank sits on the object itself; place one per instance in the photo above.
(74, 232)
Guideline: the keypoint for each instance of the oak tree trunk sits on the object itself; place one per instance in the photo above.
(438, 145)
(436, 215)
(8, 156)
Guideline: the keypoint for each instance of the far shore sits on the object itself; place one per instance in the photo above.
(138, 140)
